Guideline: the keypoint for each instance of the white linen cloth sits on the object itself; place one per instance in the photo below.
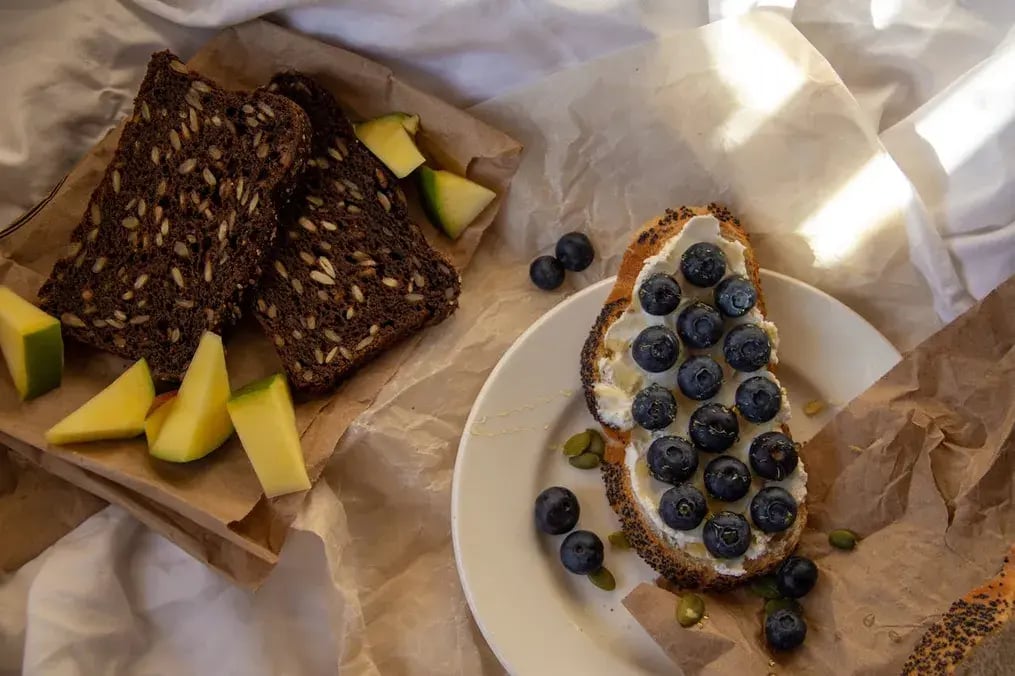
(933, 80)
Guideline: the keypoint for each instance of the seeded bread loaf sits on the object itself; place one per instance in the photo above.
(351, 274)
(180, 224)
(976, 635)
(676, 563)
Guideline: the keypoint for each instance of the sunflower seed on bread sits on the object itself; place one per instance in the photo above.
(175, 233)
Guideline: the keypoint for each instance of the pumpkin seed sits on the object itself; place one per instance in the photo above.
(842, 539)
(618, 539)
(597, 444)
(765, 587)
(584, 461)
(773, 605)
(577, 444)
(690, 610)
(603, 579)
(814, 407)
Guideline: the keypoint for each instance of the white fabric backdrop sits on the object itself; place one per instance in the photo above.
(934, 79)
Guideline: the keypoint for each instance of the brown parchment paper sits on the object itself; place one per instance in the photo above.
(921, 466)
(51, 506)
(214, 508)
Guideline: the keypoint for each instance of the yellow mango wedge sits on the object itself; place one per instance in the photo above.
(451, 202)
(117, 412)
(266, 424)
(32, 345)
(389, 138)
(160, 410)
(198, 422)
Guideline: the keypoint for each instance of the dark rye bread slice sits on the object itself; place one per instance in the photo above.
(677, 566)
(180, 224)
(352, 274)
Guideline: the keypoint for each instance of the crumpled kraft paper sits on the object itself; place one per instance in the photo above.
(51, 506)
(214, 508)
(921, 466)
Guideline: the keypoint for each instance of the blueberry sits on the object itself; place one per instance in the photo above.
(672, 459)
(575, 252)
(656, 349)
(773, 455)
(699, 378)
(785, 629)
(682, 507)
(700, 325)
(557, 510)
(735, 296)
(659, 294)
(547, 273)
(713, 428)
(726, 478)
(773, 509)
(758, 399)
(654, 407)
(726, 535)
(581, 552)
(796, 577)
(746, 347)
(703, 264)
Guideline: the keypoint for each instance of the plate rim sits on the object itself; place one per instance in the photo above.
(492, 378)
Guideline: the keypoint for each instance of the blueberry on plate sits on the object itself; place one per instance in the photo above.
(785, 629)
(796, 577)
(574, 251)
(773, 455)
(703, 264)
(713, 428)
(581, 552)
(547, 273)
(773, 509)
(672, 459)
(758, 399)
(700, 325)
(682, 507)
(656, 349)
(726, 478)
(659, 294)
(654, 407)
(699, 378)
(735, 296)
(557, 510)
(726, 535)
(747, 347)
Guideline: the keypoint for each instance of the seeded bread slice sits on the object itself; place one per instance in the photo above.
(180, 223)
(674, 564)
(980, 619)
(351, 274)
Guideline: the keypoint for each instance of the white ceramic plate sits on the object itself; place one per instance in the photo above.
(538, 618)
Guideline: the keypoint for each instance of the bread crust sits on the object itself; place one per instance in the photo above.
(674, 564)
(976, 616)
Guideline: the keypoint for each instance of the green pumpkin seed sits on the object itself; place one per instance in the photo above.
(842, 539)
(773, 605)
(690, 610)
(765, 587)
(597, 445)
(584, 461)
(619, 540)
(577, 444)
(603, 579)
